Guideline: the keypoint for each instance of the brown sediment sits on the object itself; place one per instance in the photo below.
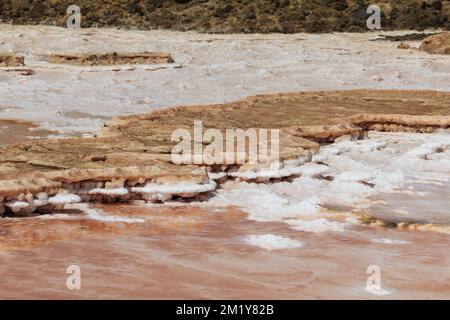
(437, 44)
(11, 60)
(136, 150)
(197, 253)
(107, 59)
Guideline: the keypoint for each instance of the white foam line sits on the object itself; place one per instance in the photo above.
(388, 241)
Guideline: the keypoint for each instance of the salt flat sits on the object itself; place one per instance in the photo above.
(379, 201)
(208, 69)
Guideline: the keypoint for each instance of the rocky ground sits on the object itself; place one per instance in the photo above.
(221, 16)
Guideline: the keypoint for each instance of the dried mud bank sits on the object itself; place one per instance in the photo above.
(132, 157)
(92, 58)
(108, 59)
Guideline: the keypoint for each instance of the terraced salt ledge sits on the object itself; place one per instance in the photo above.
(211, 69)
(131, 160)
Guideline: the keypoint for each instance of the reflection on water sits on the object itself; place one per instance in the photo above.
(429, 203)
(165, 251)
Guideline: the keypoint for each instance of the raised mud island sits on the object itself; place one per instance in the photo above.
(11, 60)
(131, 158)
(113, 58)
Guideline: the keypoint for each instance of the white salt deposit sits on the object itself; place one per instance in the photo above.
(429, 149)
(16, 206)
(216, 176)
(262, 203)
(273, 242)
(314, 169)
(176, 188)
(40, 203)
(64, 199)
(110, 192)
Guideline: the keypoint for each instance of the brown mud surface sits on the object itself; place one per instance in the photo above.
(18, 131)
(194, 253)
(407, 37)
(221, 16)
(137, 149)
